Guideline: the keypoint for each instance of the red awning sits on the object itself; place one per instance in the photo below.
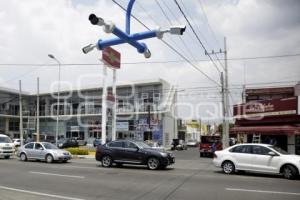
(268, 130)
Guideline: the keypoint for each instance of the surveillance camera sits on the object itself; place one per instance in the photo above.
(96, 20)
(147, 53)
(88, 48)
(177, 30)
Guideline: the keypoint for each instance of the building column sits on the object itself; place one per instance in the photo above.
(6, 129)
(291, 144)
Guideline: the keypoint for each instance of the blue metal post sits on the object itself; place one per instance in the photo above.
(128, 15)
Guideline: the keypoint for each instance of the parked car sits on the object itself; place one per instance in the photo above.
(262, 158)
(17, 142)
(192, 143)
(66, 143)
(178, 145)
(43, 151)
(133, 152)
(97, 142)
(7, 147)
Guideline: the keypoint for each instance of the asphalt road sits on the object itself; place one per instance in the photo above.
(191, 178)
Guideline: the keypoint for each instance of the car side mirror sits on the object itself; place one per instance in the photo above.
(137, 148)
(272, 153)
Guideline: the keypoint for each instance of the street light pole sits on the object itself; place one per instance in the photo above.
(58, 96)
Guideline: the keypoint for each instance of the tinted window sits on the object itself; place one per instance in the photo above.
(130, 145)
(260, 150)
(38, 146)
(241, 149)
(29, 146)
(116, 144)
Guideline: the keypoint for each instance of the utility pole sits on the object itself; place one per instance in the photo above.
(225, 95)
(114, 108)
(38, 111)
(226, 135)
(104, 97)
(21, 113)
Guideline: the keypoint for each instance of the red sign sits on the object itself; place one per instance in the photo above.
(111, 57)
(267, 108)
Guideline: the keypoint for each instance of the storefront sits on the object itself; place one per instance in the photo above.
(274, 122)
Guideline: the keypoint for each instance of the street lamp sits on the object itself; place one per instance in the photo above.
(58, 93)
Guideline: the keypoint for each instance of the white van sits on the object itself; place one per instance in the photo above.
(7, 147)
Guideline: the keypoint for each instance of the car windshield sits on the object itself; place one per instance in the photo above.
(142, 145)
(279, 150)
(5, 140)
(49, 146)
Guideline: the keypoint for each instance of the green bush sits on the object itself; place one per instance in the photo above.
(77, 151)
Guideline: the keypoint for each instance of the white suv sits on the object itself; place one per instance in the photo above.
(257, 158)
(7, 147)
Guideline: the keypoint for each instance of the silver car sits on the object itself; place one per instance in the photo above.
(43, 151)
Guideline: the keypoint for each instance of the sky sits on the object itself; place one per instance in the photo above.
(32, 29)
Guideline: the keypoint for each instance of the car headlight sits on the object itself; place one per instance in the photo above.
(163, 154)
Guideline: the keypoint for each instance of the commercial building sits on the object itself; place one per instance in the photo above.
(270, 115)
(139, 104)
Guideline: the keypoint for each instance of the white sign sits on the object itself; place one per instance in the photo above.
(122, 126)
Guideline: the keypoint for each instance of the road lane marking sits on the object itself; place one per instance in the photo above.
(39, 193)
(51, 174)
(261, 191)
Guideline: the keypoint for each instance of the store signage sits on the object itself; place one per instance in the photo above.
(111, 57)
(122, 126)
(276, 107)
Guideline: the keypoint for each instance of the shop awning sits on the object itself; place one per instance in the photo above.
(268, 130)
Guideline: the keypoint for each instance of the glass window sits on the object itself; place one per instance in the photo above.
(130, 145)
(29, 146)
(260, 150)
(49, 146)
(5, 140)
(38, 146)
(117, 144)
(279, 150)
(241, 149)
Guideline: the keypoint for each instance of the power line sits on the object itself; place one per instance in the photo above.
(171, 47)
(150, 62)
(195, 34)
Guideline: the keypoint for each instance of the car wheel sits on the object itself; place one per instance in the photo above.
(23, 157)
(228, 167)
(106, 161)
(6, 157)
(49, 158)
(289, 172)
(153, 163)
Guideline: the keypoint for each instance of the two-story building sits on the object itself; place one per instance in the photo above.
(139, 104)
(270, 115)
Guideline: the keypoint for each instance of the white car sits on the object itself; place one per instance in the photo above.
(17, 142)
(261, 158)
(7, 147)
(192, 143)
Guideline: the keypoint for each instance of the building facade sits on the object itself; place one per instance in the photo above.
(145, 111)
(270, 115)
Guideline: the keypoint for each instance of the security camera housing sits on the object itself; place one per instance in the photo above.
(96, 20)
(88, 48)
(177, 30)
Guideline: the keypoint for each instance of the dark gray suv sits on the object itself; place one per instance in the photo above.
(133, 152)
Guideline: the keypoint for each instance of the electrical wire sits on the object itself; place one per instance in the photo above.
(171, 47)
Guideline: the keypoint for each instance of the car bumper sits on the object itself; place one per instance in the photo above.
(62, 158)
(217, 162)
(167, 160)
(11, 153)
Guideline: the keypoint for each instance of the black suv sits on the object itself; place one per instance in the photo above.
(66, 143)
(133, 152)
